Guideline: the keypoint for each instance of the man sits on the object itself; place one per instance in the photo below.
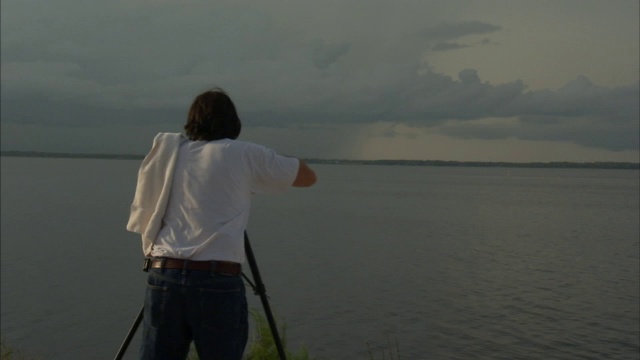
(192, 206)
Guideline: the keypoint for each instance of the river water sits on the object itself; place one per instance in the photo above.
(420, 262)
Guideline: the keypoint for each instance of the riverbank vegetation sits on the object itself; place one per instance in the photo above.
(441, 163)
(261, 346)
(9, 353)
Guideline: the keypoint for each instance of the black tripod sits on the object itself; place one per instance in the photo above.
(258, 289)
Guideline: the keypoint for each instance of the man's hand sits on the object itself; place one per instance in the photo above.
(306, 176)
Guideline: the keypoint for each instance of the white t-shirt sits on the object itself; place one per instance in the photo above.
(210, 197)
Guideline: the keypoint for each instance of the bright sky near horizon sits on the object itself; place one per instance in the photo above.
(466, 80)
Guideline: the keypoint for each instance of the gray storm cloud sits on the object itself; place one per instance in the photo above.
(450, 31)
(446, 46)
(121, 63)
(580, 112)
(326, 54)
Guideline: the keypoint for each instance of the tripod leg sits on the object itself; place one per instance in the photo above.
(132, 331)
(260, 289)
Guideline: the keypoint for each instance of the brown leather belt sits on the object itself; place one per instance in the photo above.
(219, 267)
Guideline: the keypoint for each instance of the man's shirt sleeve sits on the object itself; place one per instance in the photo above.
(271, 172)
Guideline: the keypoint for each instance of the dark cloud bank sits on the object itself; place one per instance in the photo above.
(312, 83)
(580, 112)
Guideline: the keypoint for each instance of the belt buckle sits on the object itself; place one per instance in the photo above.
(146, 264)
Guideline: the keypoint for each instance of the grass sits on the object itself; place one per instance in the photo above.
(261, 346)
(9, 353)
(386, 352)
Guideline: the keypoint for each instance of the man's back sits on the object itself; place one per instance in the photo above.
(210, 197)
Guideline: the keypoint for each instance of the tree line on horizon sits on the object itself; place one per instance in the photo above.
(388, 162)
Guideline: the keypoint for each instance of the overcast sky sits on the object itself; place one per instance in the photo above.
(485, 80)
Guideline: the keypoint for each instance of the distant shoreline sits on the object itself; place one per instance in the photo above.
(558, 164)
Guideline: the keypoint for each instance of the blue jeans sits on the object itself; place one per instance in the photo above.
(193, 305)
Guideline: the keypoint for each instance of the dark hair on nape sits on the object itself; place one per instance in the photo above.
(213, 116)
